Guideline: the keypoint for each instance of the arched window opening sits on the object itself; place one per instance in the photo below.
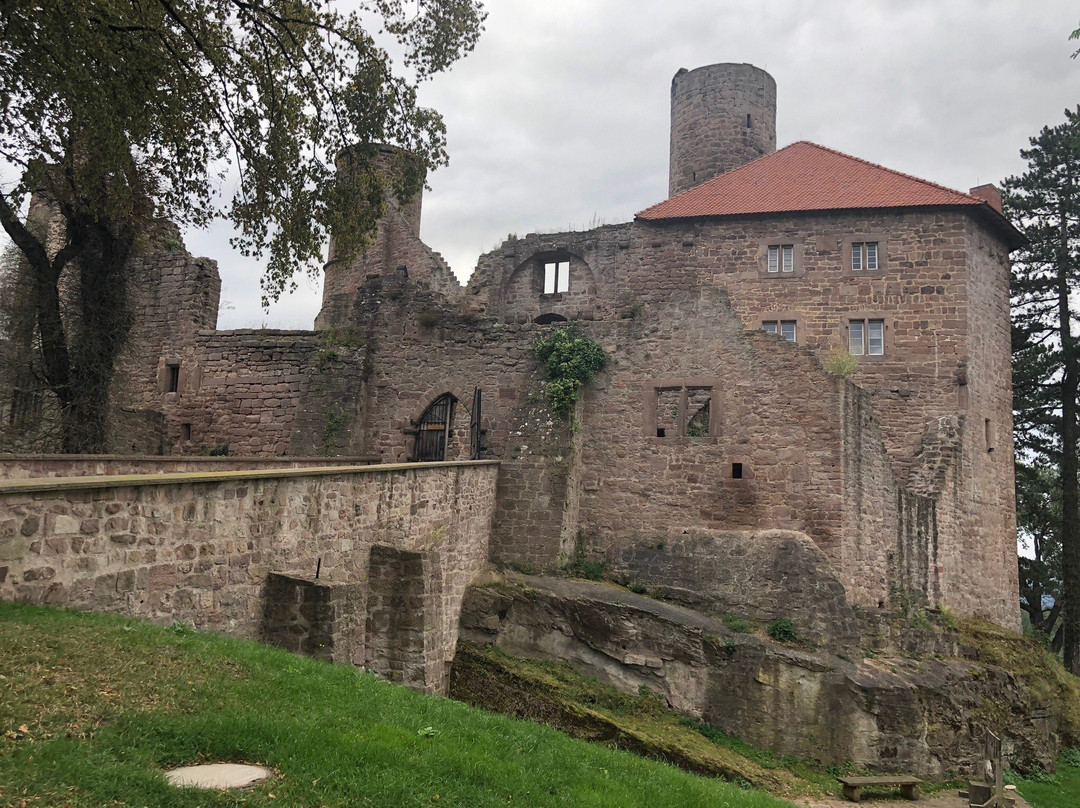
(433, 430)
(548, 319)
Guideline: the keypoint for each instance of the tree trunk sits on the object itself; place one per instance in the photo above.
(98, 335)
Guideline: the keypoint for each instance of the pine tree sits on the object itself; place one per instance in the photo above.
(1045, 203)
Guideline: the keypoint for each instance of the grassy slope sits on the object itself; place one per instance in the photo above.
(107, 702)
(1062, 790)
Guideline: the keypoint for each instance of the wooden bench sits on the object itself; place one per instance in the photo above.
(908, 785)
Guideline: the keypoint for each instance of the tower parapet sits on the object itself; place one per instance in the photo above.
(722, 116)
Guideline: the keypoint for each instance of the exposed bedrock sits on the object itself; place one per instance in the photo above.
(924, 714)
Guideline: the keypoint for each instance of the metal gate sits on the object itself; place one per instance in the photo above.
(475, 429)
(433, 431)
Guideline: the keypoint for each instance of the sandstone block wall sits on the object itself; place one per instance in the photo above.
(18, 467)
(199, 547)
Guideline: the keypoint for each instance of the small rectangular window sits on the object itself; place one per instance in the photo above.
(173, 381)
(785, 328)
(185, 432)
(789, 258)
(683, 412)
(736, 471)
(866, 337)
(556, 277)
(774, 258)
(864, 255)
(875, 337)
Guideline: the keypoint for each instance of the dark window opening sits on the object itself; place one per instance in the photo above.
(548, 319)
(173, 383)
(683, 412)
(748, 120)
(185, 431)
(736, 471)
(433, 431)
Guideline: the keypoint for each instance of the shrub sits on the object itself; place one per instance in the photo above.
(842, 364)
(736, 623)
(782, 630)
(570, 360)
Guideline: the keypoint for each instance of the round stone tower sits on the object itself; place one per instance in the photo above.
(722, 116)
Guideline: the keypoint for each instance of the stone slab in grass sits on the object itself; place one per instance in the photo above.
(218, 775)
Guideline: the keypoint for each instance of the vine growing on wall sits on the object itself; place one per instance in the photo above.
(570, 360)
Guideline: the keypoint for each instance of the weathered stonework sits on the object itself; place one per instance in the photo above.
(200, 546)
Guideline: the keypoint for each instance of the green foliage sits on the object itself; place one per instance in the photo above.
(570, 360)
(736, 623)
(782, 630)
(1045, 203)
(948, 617)
(219, 451)
(335, 420)
(1058, 790)
(842, 364)
(637, 589)
(122, 113)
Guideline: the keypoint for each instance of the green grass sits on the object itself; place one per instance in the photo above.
(92, 708)
(1060, 790)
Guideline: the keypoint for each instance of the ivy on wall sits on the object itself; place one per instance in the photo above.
(570, 360)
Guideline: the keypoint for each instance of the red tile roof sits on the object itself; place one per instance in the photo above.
(805, 176)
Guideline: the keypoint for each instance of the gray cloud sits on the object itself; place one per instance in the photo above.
(560, 117)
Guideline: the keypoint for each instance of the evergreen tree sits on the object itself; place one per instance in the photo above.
(120, 111)
(1045, 203)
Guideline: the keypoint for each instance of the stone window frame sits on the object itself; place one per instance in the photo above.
(887, 341)
(556, 261)
(798, 255)
(847, 249)
(779, 317)
(650, 394)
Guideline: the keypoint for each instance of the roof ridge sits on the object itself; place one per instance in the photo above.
(872, 164)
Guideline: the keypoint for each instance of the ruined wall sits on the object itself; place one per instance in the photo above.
(199, 547)
(986, 490)
(395, 244)
(265, 392)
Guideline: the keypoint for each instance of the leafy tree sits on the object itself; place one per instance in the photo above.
(120, 111)
(1045, 201)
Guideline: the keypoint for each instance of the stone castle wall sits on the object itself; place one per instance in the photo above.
(199, 547)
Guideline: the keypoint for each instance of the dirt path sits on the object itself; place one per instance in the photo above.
(942, 799)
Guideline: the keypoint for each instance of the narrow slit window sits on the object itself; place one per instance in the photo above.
(173, 381)
(556, 277)
(856, 338)
(185, 432)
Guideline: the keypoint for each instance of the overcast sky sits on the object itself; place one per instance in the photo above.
(559, 119)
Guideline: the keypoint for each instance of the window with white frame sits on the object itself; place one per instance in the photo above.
(864, 256)
(785, 328)
(556, 277)
(866, 337)
(781, 258)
